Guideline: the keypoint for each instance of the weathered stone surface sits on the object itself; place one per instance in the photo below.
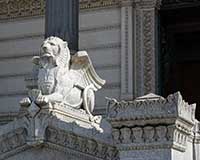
(152, 127)
(60, 128)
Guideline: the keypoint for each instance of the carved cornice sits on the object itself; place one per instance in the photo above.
(11, 9)
(152, 107)
(81, 144)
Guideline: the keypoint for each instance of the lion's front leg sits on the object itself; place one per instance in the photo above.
(45, 99)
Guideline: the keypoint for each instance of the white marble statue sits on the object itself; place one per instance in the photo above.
(63, 78)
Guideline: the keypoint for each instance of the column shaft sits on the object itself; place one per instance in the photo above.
(62, 18)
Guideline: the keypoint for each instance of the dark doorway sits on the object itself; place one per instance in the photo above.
(180, 53)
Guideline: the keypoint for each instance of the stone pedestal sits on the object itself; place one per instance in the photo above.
(153, 128)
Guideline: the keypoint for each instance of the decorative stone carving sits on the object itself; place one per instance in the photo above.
(151, 106)
(161, 132)
(12, 140)
(145, 42)
(116, 135)
(125, 135)
(87, 146)
(137, 136)
(151, 121)
(149, 133)
(10, 9)
(57, 112)
(58, 127)
(70, 80)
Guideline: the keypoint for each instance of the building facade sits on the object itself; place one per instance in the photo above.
(138, 47)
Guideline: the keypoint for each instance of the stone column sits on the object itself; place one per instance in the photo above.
(145, 49)
(153, 128)
(127, 65)
(62, 21)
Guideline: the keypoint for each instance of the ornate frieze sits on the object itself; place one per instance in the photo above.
(11, 9)
(81, 144)
(12, 141)
(88, 4)
(149, 137)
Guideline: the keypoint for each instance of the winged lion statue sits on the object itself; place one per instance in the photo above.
(65, 78)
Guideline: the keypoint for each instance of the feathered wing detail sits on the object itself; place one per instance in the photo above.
(87, 80)
(82, 65)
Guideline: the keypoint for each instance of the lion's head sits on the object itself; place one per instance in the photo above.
(55, 50)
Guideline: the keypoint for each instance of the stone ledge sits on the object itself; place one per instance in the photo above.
(151, 107)
(56, 125)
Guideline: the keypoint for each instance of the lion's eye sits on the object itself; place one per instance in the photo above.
(52, 44)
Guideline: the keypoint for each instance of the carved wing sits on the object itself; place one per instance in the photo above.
(82, 66)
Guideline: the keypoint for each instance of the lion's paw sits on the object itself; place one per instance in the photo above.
(25, 102)
(41, 100)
